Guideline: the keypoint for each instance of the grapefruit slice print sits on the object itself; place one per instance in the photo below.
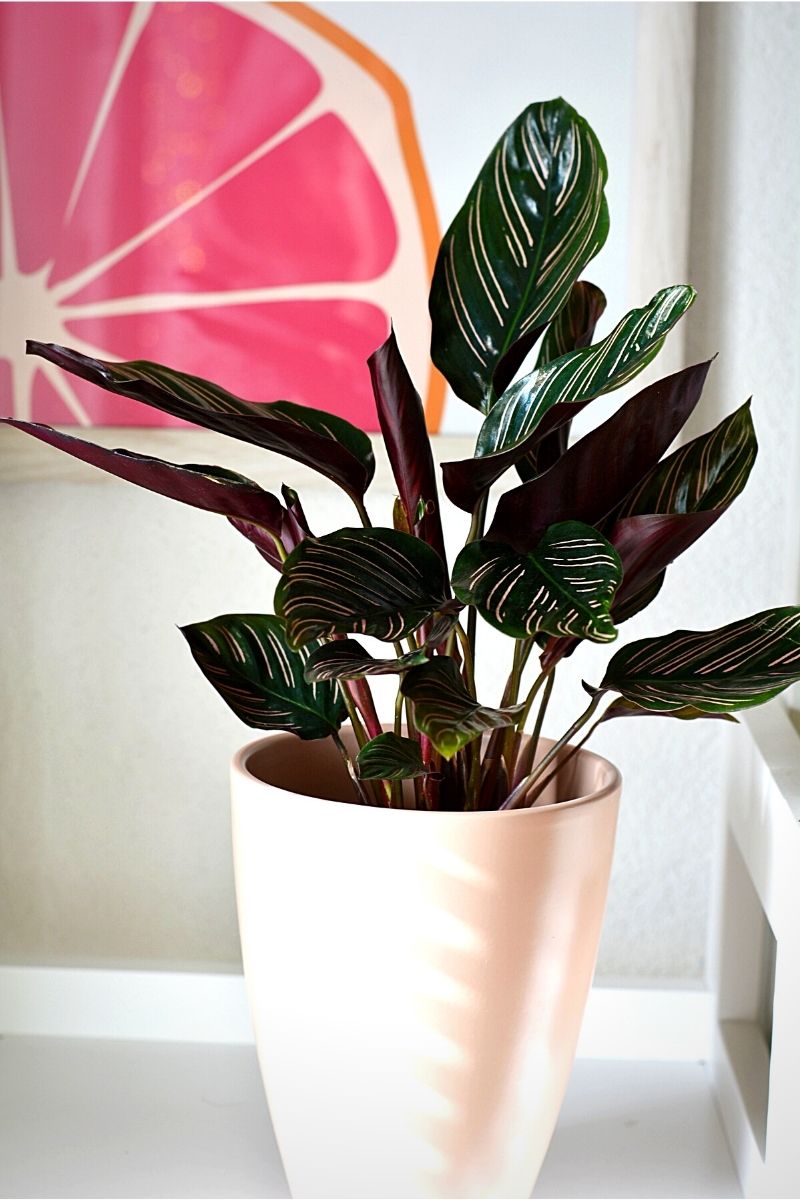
(234, 190)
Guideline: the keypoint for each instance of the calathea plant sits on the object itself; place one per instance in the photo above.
(579, 545)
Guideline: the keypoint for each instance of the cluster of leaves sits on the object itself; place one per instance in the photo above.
(578, 546)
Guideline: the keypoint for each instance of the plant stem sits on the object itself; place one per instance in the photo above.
(279, 546)
(529, 699)
(362, 698)
(352, 712)
(517, 798)
(532, 796)
(351, 770)
(517, 663)
(362, 512)
(540, 719)
(475, 532)
(528, 756)
(466, 649)
(398, 713)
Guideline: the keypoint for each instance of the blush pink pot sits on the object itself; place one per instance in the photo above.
(416, 980)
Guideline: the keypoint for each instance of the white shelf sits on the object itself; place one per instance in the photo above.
(91, 1118)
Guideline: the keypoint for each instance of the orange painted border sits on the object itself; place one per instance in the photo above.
(398, 95)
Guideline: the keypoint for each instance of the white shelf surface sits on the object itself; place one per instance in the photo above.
(105, 1118)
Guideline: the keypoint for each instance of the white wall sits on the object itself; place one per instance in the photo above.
(113, 822)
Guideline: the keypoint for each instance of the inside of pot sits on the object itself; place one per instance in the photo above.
(316, 769)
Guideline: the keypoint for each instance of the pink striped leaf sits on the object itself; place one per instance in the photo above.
(713, 671)
(599, 471)
(512, 428)
(534, 217)
(248, 660)
(373, 581)
(319, 440)
(446, 711)
(564, 586)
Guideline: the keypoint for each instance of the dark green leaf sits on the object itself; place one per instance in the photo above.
(249, 662)
(717, 670)
(317, 439)
(627, 708)
(598, 472)
(676, 502)
(512, 427)
(375, 581)
(445, 711)
(534, 217)
(564, 586)
(708, 472)
(573, 327)
(348, 659)
(388, 756)
(405, 435)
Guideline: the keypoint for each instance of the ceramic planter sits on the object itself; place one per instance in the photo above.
(416, 979)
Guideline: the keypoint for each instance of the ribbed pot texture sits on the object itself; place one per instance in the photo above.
(416, 980)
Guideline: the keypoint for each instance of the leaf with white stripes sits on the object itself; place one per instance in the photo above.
(708, 472)
(319, 440)
(573, 327)
(512, 428)
(526, 413)
(347, 659)
(249, 662)
(389, 756)
(446, 712)
(380, 582)
(718, 670)
(533, 219)
(564, 586)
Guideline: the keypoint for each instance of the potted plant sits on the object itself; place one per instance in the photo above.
(420, 902)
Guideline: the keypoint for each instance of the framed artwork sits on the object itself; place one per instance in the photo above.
(234, 190)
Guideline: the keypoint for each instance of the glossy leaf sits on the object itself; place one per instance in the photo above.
(405, 435)
(708, 472)
(646, 546)
(564, 586)
(374, 581)
(681, 498)
(533, 219)
(509, 364)
(512, 427)
(317, 439)
(444, 709)
(210, 488)
(718, 670)
(347, 659)
(599, 471)
(249, 662)
(388, 756)
(572, 329)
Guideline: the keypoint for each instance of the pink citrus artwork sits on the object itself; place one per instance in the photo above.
(235, 191)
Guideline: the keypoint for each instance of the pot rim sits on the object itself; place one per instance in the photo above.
(240, 769)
